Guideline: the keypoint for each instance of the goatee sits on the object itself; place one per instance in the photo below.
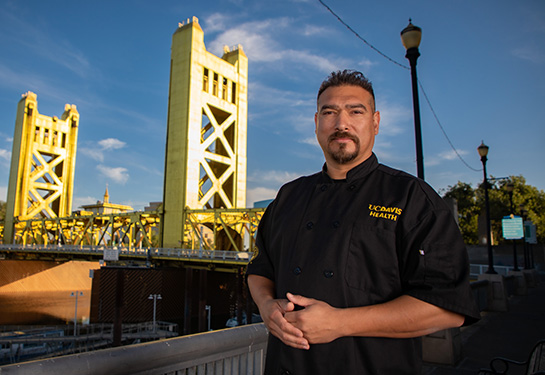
(341, 155)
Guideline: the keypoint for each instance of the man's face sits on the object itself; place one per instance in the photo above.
(346, 125)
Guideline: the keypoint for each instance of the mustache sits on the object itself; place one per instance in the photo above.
(343, 134)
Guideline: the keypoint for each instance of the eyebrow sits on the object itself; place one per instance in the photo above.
(348, 106)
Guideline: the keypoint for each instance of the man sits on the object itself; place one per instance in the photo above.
(356, 262)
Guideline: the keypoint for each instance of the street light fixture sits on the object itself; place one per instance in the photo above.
(410, 37)
(155, 297)
(483, 152)
(76, 294)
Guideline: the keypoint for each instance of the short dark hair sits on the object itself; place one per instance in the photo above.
(347, 77)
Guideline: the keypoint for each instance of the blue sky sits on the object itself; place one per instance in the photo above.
(482, 68)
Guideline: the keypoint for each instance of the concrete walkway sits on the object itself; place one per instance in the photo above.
(510, 334)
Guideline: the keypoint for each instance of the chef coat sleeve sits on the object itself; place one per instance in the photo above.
(437, 265)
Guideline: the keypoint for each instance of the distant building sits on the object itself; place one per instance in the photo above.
(263, 204)
(153, 206)
(106, 207)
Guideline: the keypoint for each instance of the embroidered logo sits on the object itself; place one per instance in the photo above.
(382, 212)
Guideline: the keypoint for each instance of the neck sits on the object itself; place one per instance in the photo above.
(339, 171)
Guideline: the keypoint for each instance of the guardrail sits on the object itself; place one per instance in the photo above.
(477, 269)
(87, 332)
(112, 252)
(239, 350)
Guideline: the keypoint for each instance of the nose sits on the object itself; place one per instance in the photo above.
(341, 122)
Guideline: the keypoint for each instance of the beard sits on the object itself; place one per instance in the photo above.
(342, 155)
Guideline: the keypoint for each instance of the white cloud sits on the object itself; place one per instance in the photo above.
(117, 174)
(274, 178)
(269, 183)
(77, 202)
(5, 154)
(103, 145)
(111, 144)
(532, 54)
(260, 46)
(310, 141)
(445, 155)
(292, 110)
(259, 194)
(93, 153)
(313, 30)
(451, 154)
(392, 117)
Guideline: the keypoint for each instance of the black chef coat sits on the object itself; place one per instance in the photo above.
(378, 234)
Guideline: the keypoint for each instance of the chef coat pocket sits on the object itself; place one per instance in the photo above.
(372, 265)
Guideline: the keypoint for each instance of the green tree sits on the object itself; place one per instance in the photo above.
(468, 210)
(471, 204)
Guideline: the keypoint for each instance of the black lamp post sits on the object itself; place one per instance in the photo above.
(510, 187)
(483, 151)
(411, 36)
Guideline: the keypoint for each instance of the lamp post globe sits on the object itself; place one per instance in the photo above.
(483, 152)
(410, 37)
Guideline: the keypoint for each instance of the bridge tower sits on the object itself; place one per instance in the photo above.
(205, 159)
(43, 161)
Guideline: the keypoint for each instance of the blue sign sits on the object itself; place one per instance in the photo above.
(512, 227)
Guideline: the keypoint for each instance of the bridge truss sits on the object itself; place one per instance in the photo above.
(214, 236)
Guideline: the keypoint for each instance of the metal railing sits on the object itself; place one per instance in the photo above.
(478, 269)
(216, 256)
(239, 350)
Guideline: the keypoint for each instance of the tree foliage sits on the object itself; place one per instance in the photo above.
(471, 203)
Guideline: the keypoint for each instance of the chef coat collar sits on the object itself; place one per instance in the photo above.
(359, 171)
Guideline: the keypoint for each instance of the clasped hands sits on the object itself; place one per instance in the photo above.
(313, 324)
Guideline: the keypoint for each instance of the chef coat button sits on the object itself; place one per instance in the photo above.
(310, 225)
(323, 188)
(351, 187)
(336, 224)
(328, 274)
(297, 270)
(285, 372)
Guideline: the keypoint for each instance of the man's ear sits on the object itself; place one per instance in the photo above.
(376, 120)
(315, 122)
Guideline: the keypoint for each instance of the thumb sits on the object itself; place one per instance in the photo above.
(299, 300)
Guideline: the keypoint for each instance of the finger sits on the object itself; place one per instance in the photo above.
(292, 317)
(298, 343)
(289, 335)
(299, 300)
(286, 305)
(289, 329)
(294, 341)
(280, 324)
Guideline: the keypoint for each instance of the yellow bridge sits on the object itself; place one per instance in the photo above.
(204, 177)
(214, 237)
